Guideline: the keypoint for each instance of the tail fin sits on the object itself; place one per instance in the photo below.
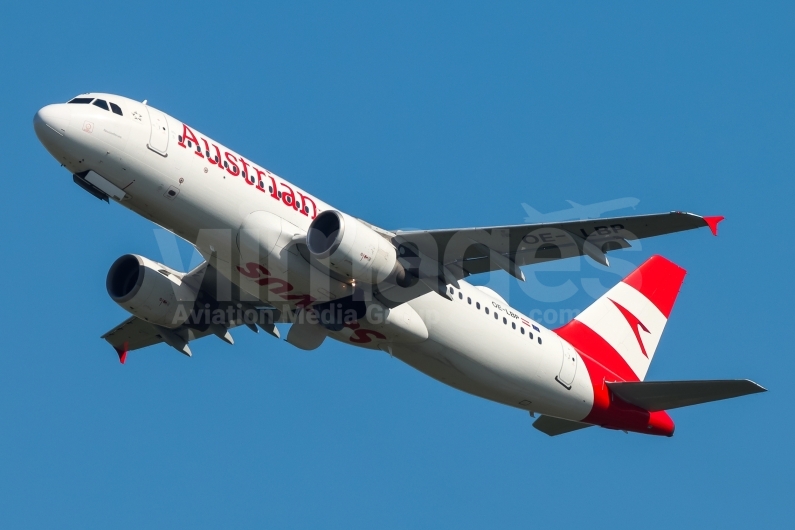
(621, 329)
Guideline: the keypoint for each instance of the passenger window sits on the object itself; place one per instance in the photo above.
(487, 310)
(460, 295)
(452, 291)
(513, 325)
(522, 330)
(469, 300)
(530, 334)
(101, 103)
(82, 100)
(477, 304)
(496, 316)
(116, 109)
(539, 340)
(504, 320)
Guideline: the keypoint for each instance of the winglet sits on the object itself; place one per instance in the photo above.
(712, 222)
(122, 353)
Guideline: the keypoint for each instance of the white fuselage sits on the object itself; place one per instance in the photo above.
(146, 154)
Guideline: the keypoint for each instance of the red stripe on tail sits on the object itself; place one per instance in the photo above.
(659, 280)
(589, 344)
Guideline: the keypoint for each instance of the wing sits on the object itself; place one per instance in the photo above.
(442, 257)
(470, 249)
(135, 333)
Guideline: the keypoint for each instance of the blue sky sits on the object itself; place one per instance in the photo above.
(422, 115)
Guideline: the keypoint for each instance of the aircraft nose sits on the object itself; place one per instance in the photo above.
(51, 119)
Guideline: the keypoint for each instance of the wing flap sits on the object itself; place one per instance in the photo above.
(665, 395)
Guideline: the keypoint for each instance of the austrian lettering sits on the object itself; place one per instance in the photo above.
(260, 179)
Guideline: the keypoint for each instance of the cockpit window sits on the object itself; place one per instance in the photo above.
(101, 103)
(116, 109)
(82, 100)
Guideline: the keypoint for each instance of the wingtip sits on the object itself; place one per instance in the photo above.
(759, 388)
(122, 352)
(712, 222)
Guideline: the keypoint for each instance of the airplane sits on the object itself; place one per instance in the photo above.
(578, 211)
(274, 253)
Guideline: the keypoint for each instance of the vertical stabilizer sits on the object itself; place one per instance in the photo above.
(621, 329)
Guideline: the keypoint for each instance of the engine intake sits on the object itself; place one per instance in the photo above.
(351, 248)
(150, 291)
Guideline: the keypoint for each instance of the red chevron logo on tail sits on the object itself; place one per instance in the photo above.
(635, 323)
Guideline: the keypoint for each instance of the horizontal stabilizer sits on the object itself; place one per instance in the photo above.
(664, 395)
(555, 426)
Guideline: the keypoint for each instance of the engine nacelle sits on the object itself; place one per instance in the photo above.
(352, 249)
(150, 291)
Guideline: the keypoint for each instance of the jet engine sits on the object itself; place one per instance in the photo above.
(352, 249)
(150, 291)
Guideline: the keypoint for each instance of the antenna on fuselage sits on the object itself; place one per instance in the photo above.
(145, 101)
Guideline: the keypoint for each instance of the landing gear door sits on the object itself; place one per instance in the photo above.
(158, 138)
(568, 366)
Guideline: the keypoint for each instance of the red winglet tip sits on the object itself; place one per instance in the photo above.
(122, 353)
(712, 223)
